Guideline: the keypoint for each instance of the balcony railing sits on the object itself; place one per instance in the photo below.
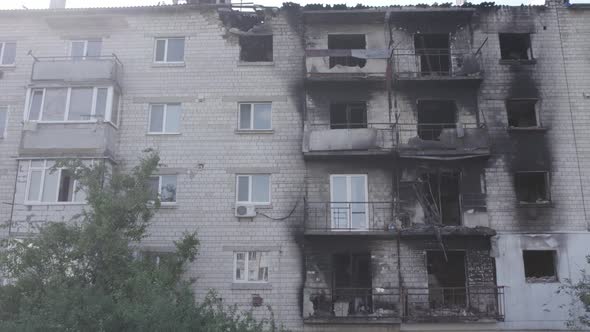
(347, 304)
(453, 304)
(370, 137)
(443, 138)
(436, 64)
(344, 64)
(348, 217)
(77, 69)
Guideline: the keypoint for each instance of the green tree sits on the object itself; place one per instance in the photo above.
(85, 275)
(579, 307)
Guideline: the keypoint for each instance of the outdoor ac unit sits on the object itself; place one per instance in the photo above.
(245, 211)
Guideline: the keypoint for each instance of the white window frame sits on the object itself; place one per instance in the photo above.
(85, 52)
(163, 132)
(2, 46)
(348, 193)
(249, 201)
(44, 169)
(246, 267)
(159, 176)
(5, 131)
(251, 127)
(93, 118)
(166, 39)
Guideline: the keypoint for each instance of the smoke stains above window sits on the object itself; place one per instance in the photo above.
(516, 46)
(539, 266)
(522, 113)
(256, 48)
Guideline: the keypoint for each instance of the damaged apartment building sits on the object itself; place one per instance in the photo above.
(356, 169)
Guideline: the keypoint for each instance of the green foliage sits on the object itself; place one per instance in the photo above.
(84, 275)
(579, 307)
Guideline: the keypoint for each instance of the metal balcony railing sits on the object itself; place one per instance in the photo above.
(424, 304)
(435, 63)
(346, 303)
(348, 216)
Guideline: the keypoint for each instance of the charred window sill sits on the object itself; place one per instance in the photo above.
(535, 205)
(526, 129)
(517, 62)
(253, 132)
(255, 63)
(250, 285)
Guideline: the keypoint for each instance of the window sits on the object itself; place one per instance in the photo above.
(347, 42)
(435, 117)
(3, 120)
(47, 185)
(253, 188)
(516, 46)
(256, 48)
(532, 187)
(539, 266)
(255, 116)
(80, 49)
(164, 119)
(442, 192)
(349, 205)
(251, 266)
(169, 50)
(433, 49)
(164, 188)
(348, 115)
(155, 258)
(73, 104)
(522, 113)
(7, 53)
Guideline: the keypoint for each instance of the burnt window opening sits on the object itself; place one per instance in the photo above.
(256, 48)
(540, 265)
(352, 284)
(433, 117)
(516, 46)
(532, 187)
(446, 278)
(346, 43)
(433, 50)
(522, 113)
(441, 192)
(348, 115)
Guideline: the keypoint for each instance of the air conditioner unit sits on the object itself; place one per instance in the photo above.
(245, 211)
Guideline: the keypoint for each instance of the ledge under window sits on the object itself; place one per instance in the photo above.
(168, 64)
(517, 62)
(254, 131)
(7, 67)
(163, 134)
(251, 285)
(547, 204)
(525, 129)
(255, 63)
(54, 203)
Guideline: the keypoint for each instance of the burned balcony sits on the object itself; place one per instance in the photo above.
(348, 139)
(453, 304)
(99, 69)
(349, 218)
(443, 140)
(346, 64)
(436, 64)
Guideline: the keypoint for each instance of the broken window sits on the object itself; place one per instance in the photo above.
(165, 118)
(515, 46)
(348, 115)
(251, 266)
(163, 187)
(7, 53)
(446, 278)
(256, 48)
(522, 113)
(352, 287)
(539, 265)
(532, 187)
(169, 50)
(440, 196)
(255, 116)
(348, 42)
(80, 49)
(48, 185)
(433, 50)
(254, 189)
(434, 116)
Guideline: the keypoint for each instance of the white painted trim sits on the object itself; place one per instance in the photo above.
(247, 268)
(252, 108)
(348, 178)
(249, 177)
(165, 60)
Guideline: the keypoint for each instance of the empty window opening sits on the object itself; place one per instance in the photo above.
(433, 50)
(352, 284)
(522, 113)
(532, 187)
(348, 115)
(256, 48)
(347, 42)
(446, 279)
(516, 46)
(434, 116)
(539, 265)
(440, 192)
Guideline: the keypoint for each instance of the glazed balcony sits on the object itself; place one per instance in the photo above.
(102, 69)
(346, 65)
(434, 64)
(349, 218)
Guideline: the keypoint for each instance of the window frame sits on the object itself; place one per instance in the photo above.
(539, 124)
(108, 107)
(6, 109)
(249, 176)
(44, 169)
(2, 49)
(251, 126)
(547, 177)
(348, 178)
(159, 176)
(165, 111)
(246, 268)
(530, 55)
(555, 258)
(165, 60)
(85, 52)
